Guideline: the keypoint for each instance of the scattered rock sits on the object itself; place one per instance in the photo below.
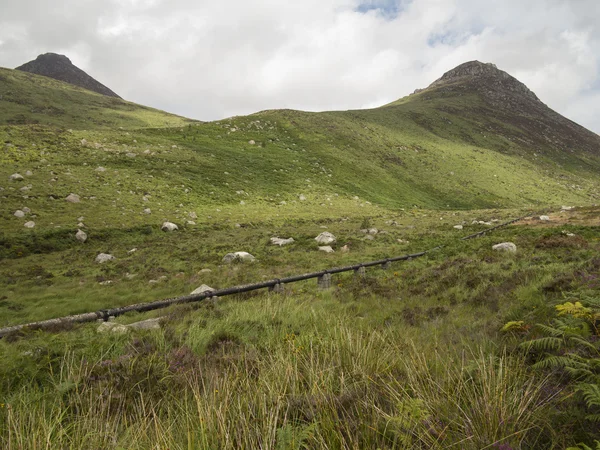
(111, 327)
(238, 256)
(29, 173)
(100, 169)
(84, 142)
(105, 283)
(505, 247)
(73, 198)
(281, 241)
(130, 155)
(301, 197)
(16, 177)
(566, 208)
(373, 231)
(148, 324)
(29, 224)
(104, 257)
(326, 249)
(202, 289)
(369, 237)
(19, 213)
(133, 250)
(544, 218)
(458, 227)
(204, 271)
(81, 225)
(147, 211)
(325, 238)
(169, 226)
(345, 249)
(26, 210)
(251, 142)
(81, 236)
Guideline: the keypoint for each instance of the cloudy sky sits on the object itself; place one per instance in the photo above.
(213, 59)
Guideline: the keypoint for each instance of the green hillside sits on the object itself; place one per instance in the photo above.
(467, 347)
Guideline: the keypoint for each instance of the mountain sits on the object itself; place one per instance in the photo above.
(61, 68)
(475, 138)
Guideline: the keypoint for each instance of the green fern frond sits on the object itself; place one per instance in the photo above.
(543, 344)
(553, 362)
(550, 331)
(583, 342)
(591, 393)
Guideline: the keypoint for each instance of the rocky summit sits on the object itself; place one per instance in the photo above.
(61, 68)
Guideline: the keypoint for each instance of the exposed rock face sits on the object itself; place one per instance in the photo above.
(61, 68)
(509, 101)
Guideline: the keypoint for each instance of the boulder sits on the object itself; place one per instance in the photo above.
(505, 247)
(111, 327)
(201, 290)
(81, 236)
(544, 218)
(458, 227)
(29, 224)
(169, 226)
(73, 198)
(16, 177)
(148, 324)
(103, 257)
(326, 249)
(238, 256)
(281, 241)
(325, 238)
(19, 213)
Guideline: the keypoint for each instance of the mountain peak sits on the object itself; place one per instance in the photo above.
(497, 86)
(61, 68)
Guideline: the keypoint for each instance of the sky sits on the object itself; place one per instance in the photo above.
(214, 59)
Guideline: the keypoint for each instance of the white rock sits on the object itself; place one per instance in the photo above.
(81, 236)
(26, 210)
(505, 247)
(84, 142)
(191, 222)
(19, 213)
(29, 224)
(373, 231)
(345, 249)
(251, 142)
(16, 177)
(148, 324)
(202, 289)
(29, 173)
(567, 208)
(100, 169)
(301, 197)
(326, 249)
(281, 241)
(458, 227)
(81, 225)
(325, 238)
(133, 250)
(147, 211)
(169, 226)
(130, 155)
(204, 271)
(544, 218)
(238, 256)
(369, 237)
(104, 257)
(72, 198)
(105, 283)
(112, 327)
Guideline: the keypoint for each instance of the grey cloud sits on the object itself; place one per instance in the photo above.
(209, 60)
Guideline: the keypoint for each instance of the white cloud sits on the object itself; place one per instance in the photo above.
(210, 59)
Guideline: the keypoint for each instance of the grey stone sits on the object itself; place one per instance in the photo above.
(16, 177)
(325, 238)
(281, 241)
(544, 218)
(326, 249)
(29, 224)
(505, 247)
(149, 324)
(169, 226)
(202, 289)
(111, 327)
(73, 198)
(104, 257)
(81, 236)
(19, 213)
(238, 256)
(458, 227)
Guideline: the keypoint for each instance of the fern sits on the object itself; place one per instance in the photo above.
(543, 344)
(553, 362)
(591, 393)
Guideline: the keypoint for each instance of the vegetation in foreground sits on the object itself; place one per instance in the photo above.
(412, 357)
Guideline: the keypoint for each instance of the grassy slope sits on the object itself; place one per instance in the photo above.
(327, 369)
